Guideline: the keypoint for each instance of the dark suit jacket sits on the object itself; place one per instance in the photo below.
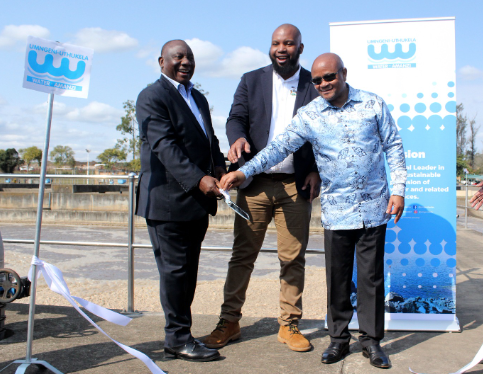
(251, 114)
(175, 155)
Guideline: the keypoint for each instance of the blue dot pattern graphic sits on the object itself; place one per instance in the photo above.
(451, 106)
(420, 262)
(404, 121)
(435, 121)
(435, 107)
(404, 108)
(420, 107)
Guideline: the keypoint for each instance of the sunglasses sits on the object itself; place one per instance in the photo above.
(327, 77)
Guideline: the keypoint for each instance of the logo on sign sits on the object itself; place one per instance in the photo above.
(48, 67)
(397, 53)
(391, 53)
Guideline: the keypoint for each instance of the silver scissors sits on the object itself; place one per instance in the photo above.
(233, 206)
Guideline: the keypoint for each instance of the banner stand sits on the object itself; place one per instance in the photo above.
(24, 364)
(413, 322)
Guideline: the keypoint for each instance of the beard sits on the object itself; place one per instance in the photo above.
(290, 67)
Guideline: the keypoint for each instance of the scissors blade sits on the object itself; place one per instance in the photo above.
(238, 210)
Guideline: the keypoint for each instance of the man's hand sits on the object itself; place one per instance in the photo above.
(219, 172)
(477, 199)
(235, 152)
(209, 186)
(312, 179)
(395, 206)
(233, 179)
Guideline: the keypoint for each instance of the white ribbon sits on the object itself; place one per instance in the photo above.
(476, 360)
(55, 280)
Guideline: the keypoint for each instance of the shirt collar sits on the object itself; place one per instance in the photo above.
(177, 84)
(294, 77)
(354, 95)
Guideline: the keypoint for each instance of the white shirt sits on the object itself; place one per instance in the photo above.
(186, 95)
(284, 93)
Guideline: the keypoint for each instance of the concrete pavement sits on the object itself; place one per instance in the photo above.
(65, 340)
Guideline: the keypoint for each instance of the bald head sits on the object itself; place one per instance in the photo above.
(329, 59)
(170, 44)
(329, 76)
(290, 29)
(285, 50)
(177, 61)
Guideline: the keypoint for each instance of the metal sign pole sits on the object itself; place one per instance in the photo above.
(33, 287)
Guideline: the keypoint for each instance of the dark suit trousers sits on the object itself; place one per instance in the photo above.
(176, 247)
(339, 261)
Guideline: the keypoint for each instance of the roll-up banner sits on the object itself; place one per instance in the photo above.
(410, 63)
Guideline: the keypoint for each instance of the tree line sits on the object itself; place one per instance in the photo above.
(467, 153)
(467, 156)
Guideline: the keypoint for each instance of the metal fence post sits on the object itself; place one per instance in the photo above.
(130, 247)
(466, 206)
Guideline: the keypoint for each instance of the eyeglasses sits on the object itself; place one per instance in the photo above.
(327, 77)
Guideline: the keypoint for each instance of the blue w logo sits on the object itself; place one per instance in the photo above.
(49, 68)
(398, 52)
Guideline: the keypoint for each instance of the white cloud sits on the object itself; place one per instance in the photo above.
(206, 53)
(240, 61)
(93, 112)
(470, 73)
(147, 52)
(104, 40)
(12, 34)
(212, 61)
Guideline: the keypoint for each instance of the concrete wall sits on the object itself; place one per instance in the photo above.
(110, 208)
(111, 202)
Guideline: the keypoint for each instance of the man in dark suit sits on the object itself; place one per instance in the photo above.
(265, 102)
(181, 164)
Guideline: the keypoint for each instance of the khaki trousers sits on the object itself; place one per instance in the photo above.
(269, 196)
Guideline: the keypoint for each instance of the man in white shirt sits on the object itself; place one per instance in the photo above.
(264, 104)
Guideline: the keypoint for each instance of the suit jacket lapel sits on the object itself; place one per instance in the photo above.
(267, 92)
(176, 96)
(302, 89)
(205, 114)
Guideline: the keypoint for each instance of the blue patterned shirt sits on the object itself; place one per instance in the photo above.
(348, 144)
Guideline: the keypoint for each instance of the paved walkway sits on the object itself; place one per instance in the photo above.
(68, 342)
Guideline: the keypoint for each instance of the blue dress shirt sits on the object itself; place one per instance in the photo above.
(348, 144)
(186, 95)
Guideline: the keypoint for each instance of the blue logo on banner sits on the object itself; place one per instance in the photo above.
(385, 54)
(48, 67)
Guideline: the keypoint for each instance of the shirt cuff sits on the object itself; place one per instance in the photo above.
(399, 189)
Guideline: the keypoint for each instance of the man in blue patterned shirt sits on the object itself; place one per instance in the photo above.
(349, 130)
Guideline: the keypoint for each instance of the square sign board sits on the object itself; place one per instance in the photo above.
(58, 68)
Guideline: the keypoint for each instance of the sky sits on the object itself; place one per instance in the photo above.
(227, 39)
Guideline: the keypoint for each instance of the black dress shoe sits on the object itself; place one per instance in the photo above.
(376, 356)
(192, 351)
(335, 352)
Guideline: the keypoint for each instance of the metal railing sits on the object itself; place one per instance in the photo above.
(130, 245)
(466, 207)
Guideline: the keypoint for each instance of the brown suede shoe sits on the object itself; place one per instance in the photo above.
(292, 336)
(224, 332)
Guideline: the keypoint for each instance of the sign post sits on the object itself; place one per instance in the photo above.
(410, 63)
(60, 69)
